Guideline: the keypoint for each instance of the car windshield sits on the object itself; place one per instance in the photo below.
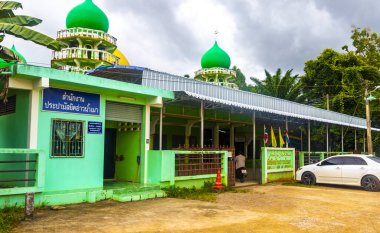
(376, 159)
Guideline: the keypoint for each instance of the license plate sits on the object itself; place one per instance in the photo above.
(244, 171)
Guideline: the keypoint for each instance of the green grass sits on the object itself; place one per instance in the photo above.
(206, 193)
(9, 217)
(298, 184)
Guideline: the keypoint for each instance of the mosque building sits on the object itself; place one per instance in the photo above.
(89, 45)
(91, 127)
(216, 68)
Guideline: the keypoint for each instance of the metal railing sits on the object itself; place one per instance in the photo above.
(82, 53)
(87, 33)
(215, 70)
(73, 69)
(197, 164)
(20, 168)
(306, 158)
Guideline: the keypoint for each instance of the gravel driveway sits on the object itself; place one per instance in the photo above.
(269, 208)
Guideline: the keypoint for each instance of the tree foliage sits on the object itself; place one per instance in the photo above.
(341, 76)
(240, 79)
(366, 44)
(281, 86)
(17, 25)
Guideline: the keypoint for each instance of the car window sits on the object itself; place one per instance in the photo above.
(332, 161)
(354, 161)
(376, 159)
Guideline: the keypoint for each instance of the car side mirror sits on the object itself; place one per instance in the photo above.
(319, 164)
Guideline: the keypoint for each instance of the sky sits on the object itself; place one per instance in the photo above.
(172, 35)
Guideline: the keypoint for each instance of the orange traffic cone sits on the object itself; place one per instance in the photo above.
(218, 181)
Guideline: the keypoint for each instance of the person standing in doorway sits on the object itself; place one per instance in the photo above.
(240, 166)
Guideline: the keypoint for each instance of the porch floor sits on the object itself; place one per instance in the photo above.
(128, 191)
(245, 184)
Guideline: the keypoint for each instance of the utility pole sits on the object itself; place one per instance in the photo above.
(327, 124)
(368, 118)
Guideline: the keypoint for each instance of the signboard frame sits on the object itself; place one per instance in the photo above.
(70, 101)
(285, 157)
(95, 127)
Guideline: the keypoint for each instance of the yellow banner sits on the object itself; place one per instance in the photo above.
(273, 137)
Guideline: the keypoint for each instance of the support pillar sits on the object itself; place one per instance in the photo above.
(160, 136)
(364, 142)
(146, 141)
(188, 128)
(232, 136)
(327, 137)
(356, 142)
(215, 140)
(286, 128)
(246, 148)
(342, 139)
(153, 122)
(254, 144)
(202, 125)
(308, 136)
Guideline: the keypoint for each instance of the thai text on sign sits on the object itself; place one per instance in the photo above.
(60, 100)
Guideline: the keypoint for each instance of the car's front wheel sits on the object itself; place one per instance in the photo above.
(308, 178)
(371, 183)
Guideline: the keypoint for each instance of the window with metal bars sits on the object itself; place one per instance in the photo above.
(67, 138)
(8, 107)
(197, 164)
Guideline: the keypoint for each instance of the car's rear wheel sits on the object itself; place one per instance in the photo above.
(371, 183)
(308, 178)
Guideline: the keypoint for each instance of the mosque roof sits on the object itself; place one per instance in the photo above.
(87, 15)
(216, 57)
(123, 61)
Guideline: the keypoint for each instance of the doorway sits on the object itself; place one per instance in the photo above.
(109, 154)
(122, 143)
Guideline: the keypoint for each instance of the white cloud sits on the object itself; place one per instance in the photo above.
(172, 35)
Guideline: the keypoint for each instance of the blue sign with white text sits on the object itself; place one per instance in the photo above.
(95, 127)
(60, 100)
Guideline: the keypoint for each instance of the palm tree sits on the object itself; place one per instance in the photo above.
(284, 87)
(17, 25)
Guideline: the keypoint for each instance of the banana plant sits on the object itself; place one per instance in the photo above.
(17, 25)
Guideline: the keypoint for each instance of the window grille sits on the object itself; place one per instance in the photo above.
(197, 164)
(8, 107)
(67, 138)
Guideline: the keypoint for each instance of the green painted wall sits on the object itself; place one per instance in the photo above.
(75, 172)
(14, 134)
(14, 127)
(85, 172)
(161, 170)
(128, 145)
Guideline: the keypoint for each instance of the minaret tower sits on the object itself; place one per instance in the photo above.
(216, 68)
(89, 46)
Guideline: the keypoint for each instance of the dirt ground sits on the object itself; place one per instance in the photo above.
(270, 208)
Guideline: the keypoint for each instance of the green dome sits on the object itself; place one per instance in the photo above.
(216, 57)
(22, 58)
(87, 15)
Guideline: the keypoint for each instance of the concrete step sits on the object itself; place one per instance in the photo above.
(138, 196)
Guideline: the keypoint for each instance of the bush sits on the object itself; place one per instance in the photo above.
(9, 217)
(203, 194)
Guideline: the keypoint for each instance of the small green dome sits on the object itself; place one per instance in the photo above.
(87, 15)
(216, 57)
(22, 58)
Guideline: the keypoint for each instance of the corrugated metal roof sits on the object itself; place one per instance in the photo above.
(247, 100)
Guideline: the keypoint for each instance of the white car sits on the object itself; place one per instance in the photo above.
(355, 170)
